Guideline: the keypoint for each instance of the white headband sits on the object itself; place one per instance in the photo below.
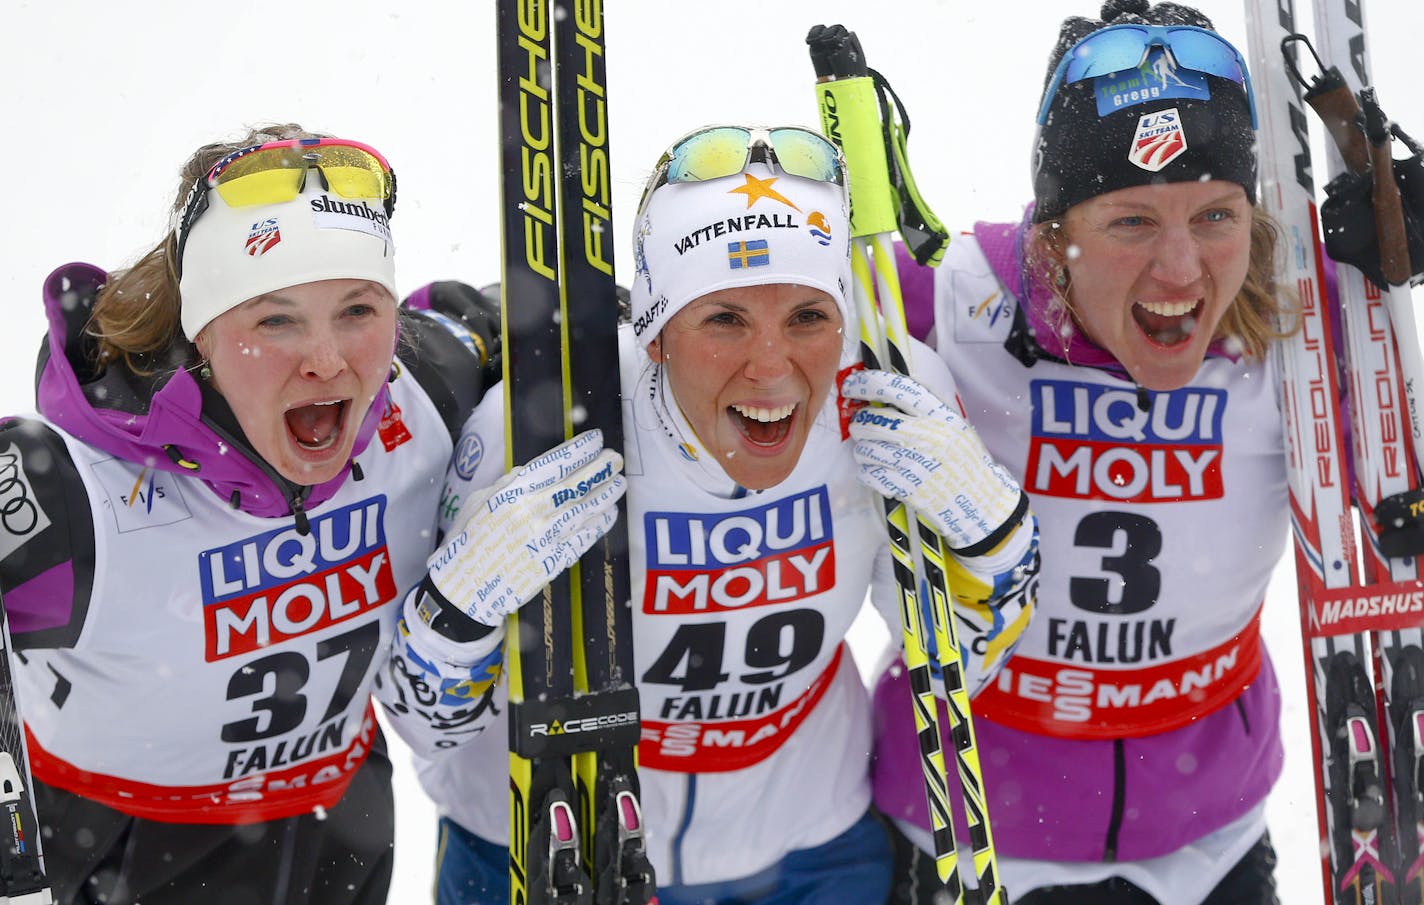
(757, 227)
(233, 254)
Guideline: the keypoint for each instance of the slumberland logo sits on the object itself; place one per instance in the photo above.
(358, 216)
(324, 204)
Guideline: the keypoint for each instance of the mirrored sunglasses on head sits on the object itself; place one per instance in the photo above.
(276, 172)
(719, 151)
(1117, 48)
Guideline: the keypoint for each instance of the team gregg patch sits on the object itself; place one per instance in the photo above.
(1093, 442)
(281, 584)
(713, 562)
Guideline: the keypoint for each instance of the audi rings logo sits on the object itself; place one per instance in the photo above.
(20, 513)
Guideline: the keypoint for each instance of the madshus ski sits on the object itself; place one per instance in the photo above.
(1362, 606)
(22, 875)
(576, 833)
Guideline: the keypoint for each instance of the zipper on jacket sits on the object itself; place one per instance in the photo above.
(1119, 797)
(295, 494)
(680, 836)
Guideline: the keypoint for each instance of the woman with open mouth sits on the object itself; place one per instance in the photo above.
(209, 528)
(1112, 350)
(754, 538)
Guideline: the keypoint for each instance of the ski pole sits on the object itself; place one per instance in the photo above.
(851, 116)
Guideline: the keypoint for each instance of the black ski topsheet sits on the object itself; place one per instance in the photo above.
(22, 876)
(606, 775)
(539, 647)
(576, 826)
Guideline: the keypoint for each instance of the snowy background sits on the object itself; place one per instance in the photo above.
(106, 100)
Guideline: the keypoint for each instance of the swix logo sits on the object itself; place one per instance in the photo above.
(710, 562)
(281, 584)
(1094, 442)
(263, 236)
(581, 489)
(1159, 140)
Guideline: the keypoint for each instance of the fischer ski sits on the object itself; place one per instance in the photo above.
(576, 824)
(855, 114)
(1360, 607)
(22, 875)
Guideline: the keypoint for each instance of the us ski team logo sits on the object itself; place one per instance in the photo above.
(263, 236)
(1159, 140)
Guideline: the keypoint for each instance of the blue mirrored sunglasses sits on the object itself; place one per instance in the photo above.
(1121, 47)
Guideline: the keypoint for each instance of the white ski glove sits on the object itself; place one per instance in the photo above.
(923, 453)
(535, 522)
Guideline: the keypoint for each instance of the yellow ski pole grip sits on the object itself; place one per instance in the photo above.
(850, 117)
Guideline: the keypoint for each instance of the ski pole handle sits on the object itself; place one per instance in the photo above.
(1388, 205)
(850, 117)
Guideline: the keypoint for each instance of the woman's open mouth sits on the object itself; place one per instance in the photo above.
(317, 427)
(1167, 323)
(763, 425)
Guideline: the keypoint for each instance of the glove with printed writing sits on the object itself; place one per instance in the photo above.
(918, 450)
(529, 526)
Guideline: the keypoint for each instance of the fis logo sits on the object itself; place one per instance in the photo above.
(1093, 442)
(699, 563)
(582, 488)
(819, 227)
(281, 584)
(263, 237)
(1159, 140)
(140, 498)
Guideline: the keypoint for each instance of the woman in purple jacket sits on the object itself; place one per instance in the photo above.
(1111, 350)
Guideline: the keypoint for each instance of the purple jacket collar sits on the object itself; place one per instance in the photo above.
(158, 423)
(1003, 246)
